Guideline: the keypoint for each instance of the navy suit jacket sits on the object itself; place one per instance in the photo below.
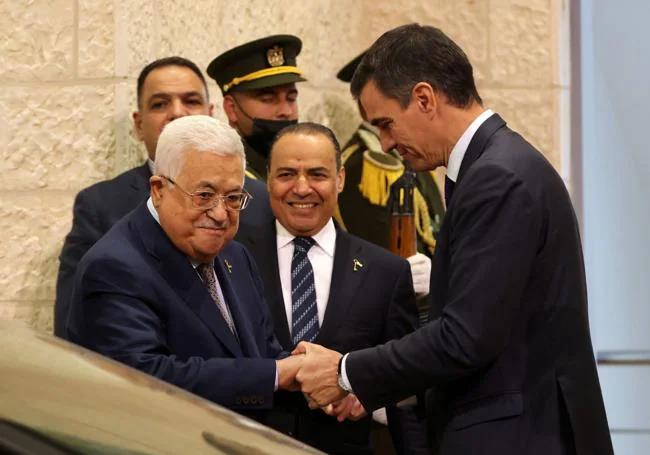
(138, 299)
(507, 354)
(98, 207)
(368, 304)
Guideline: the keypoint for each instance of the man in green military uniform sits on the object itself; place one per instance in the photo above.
(258, 83)
(369, 175)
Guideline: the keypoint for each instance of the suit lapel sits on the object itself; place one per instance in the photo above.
(265, 247)
(242, 323)
(440, 259)
(178, 273)
(343, 286)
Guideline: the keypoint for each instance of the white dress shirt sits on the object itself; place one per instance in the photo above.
(321, 256)
(459, 150)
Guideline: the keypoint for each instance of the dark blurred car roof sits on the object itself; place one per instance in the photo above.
(82, 402)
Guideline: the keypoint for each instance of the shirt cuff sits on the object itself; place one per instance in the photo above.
(275, 387)
(344, 382)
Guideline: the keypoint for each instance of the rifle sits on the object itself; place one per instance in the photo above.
(403, 238)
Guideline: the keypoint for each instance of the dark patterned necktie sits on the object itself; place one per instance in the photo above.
(304, 312)
(449, 189)
(207, 275)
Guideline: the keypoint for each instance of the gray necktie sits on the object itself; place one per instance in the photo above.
(207, 275)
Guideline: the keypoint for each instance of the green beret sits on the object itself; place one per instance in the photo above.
(262, 63)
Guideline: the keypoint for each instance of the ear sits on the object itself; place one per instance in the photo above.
(156, 184)
(137, 125)
(211, 109)
(341, 180)
(425, 97)
(229, 107)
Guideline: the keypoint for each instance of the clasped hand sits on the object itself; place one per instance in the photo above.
(313, 369)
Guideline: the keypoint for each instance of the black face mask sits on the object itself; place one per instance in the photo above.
(264, 132)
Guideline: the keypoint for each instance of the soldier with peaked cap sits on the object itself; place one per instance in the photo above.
(369, 174)
(258, 83)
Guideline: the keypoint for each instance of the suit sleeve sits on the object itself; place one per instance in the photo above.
(494, 235)
(402, 314)
(85, 232)
(116, 315)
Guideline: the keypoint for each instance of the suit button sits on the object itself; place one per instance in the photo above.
(238, 400)
(253, 400)
(261, 400)
(245, 400)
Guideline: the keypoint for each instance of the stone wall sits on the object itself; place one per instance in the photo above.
(67, 83)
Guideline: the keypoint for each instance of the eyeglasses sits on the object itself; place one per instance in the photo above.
(206, 200)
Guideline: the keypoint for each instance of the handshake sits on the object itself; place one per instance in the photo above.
(313, 369)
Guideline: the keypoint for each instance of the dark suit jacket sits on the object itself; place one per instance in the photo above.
(98, 207)
(371, 305)
(507, 356)
(138, 299)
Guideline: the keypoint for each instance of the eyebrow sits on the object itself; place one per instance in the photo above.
(210, 185)
(169, 95)
(318, 169)
(309, 170)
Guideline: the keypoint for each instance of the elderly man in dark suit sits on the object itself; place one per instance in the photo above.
(167, 292)
(507, 356)
(167, 89)
(323, 284)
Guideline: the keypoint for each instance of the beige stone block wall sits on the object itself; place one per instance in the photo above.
(67, 90)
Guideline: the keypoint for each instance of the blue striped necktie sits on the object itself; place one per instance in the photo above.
(304, 312)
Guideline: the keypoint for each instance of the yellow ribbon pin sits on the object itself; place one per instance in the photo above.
(357, 265)
(228, 266)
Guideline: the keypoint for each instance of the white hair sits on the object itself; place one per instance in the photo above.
(195, 132)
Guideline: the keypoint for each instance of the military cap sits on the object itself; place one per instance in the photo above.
(346, 73)
(262, 63)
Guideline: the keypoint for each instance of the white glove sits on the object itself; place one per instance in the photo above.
(421, 273)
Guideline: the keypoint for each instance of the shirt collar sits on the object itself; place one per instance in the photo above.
(152, 210)
(459, 150)
(325, 238)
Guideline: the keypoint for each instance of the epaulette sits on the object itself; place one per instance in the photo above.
(379, 172)
(370, 140)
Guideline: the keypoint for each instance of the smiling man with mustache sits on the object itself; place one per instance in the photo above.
(323, 284)
(167, 292)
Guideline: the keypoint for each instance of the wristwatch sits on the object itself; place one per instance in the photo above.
(342, 383)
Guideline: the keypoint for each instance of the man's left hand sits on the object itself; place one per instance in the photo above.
(318, 374)
(348, 408)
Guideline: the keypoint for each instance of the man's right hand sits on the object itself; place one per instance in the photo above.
(287, 370)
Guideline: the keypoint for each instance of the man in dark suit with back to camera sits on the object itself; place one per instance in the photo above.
(167, 292)
(167, 89)
(322, 284)
(506, 358)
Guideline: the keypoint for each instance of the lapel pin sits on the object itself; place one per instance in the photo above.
(228, 266)
(357, 265)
